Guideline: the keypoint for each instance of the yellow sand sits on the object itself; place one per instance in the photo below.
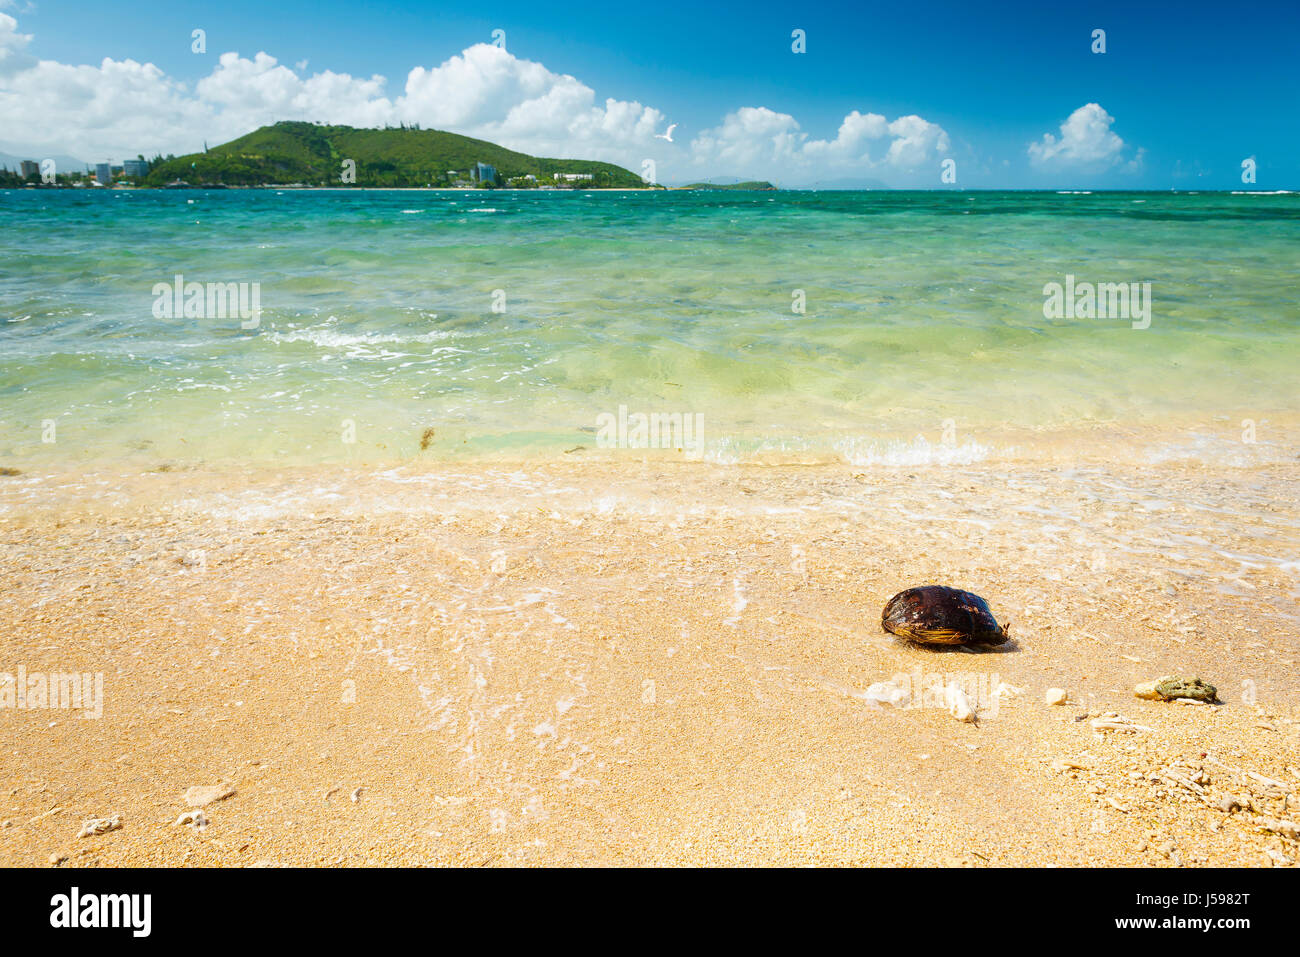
(646, 663)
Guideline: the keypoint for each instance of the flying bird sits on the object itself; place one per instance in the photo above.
(667, 136)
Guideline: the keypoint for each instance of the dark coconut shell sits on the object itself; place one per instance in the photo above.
(939, 615)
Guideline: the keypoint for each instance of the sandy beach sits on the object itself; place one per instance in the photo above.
(647, 662)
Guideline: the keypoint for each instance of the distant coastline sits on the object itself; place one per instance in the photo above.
(304, 155)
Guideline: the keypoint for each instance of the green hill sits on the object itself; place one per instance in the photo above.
(313, 155)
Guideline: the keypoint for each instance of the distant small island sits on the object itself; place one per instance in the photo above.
(753, 184)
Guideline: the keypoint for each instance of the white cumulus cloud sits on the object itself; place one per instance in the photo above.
(1086, 140)
(759, 141)
(491, 94)
(13, 55)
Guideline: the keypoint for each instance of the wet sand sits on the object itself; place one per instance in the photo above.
(647, 663)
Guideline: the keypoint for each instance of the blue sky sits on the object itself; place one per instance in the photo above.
(1188, 90)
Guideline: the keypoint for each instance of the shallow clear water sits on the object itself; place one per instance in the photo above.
(924, 310)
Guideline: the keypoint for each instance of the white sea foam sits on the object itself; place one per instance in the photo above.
(334, 339)
(1217, 450)
(919, 451)
(857, 451)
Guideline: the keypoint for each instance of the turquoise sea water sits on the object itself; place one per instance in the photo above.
(923, 310)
